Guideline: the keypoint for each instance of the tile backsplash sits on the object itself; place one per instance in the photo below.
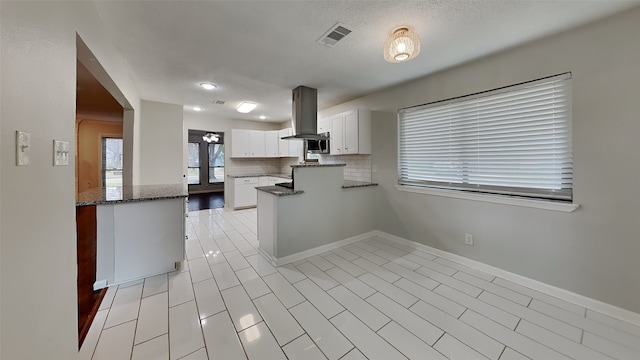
(358, 166)
(236, 166)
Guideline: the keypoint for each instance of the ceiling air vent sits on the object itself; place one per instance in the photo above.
(218, 102)
(335, 34)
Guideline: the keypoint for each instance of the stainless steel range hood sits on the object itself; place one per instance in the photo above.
(304, 115)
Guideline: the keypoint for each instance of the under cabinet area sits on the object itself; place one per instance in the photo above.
(263, 144)
(243, 193)
(351, 132)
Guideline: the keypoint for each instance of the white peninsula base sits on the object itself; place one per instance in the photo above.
(319, 211)
(138, 239)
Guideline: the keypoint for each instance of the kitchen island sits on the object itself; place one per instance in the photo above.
(139, 230)
(320, 212)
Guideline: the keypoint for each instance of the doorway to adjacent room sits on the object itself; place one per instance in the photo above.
(205, 173)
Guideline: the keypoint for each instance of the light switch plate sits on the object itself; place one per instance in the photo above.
(60, 153)
(23, 148)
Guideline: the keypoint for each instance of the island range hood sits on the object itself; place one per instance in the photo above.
(304, 115)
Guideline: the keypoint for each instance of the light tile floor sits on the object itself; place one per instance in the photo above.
(375, 299)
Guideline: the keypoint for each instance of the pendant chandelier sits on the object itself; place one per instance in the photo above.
(211, 137)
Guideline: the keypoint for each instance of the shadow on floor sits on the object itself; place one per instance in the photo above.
(206, 201)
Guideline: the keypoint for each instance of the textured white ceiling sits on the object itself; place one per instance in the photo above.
(260, 50)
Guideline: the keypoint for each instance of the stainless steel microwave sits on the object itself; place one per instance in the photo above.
(318, 146)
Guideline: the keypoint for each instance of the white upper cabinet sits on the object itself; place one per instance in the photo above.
(272, 143)
(240, 143)
(337, 135)
(264, 144)
(257, 144)
(324, 125)
(351, 132)
(289, 148)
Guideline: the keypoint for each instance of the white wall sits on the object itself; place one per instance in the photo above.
(160, 143)
(592, 251)
(37, 223)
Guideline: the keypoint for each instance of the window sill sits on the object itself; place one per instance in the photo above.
(496, 199)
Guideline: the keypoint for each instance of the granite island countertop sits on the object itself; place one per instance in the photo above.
(348, 184)
(311, 164)
(125, 194)
(278, 190)
(283, 191)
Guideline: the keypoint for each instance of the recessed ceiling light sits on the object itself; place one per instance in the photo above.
(246, 107)
(262, 117)
(197, 108)
(208, 86)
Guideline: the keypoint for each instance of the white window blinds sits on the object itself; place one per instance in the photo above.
(514, 140)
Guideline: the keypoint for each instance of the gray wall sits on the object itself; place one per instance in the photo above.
(592, 251)
(324, 213)
(160, 137)
(37, 209)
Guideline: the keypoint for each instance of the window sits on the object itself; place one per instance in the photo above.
(112, 166)
(216, 163)
(514, 140)
(193, 171)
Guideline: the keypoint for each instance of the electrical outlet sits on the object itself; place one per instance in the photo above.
(468, 239)
(374, 168)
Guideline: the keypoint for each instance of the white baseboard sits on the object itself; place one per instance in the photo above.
(566, 295)
(318, 250)
(269, 258)
(99, 284)
(562, 294)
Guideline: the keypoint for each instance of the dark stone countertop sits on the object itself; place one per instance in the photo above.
(285, 176)
(354, 184)
(316, 165)
(278, 190)
(126, 194)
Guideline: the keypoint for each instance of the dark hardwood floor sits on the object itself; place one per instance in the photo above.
(88, 300)
(206, 201)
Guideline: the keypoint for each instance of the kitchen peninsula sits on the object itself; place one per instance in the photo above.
(320, 210)
(139, 230)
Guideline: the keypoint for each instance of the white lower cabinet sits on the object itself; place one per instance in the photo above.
(138, 239)
(244, 192)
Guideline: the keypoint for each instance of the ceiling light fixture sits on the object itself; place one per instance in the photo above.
(246, 107)
(211, 137)
(402, 45)
(262, 117)
(208, 86)
(197, 108)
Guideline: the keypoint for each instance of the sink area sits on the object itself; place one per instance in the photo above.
(288, 185)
